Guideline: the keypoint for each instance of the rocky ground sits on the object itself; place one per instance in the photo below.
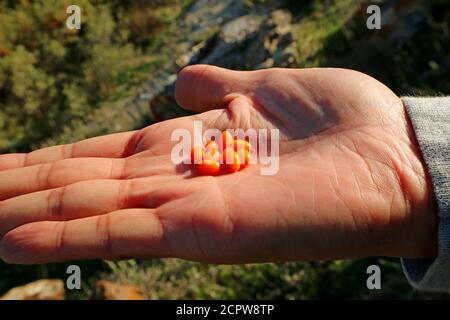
(232, 35)
(47, 289)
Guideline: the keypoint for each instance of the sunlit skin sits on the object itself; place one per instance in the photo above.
(351, 181)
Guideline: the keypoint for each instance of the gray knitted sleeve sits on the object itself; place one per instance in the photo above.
(430, 118)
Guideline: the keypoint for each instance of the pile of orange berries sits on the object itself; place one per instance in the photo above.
(228, 155)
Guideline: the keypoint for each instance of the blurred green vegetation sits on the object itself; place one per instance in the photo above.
(409, 61)
(51, 78)
(176, 279)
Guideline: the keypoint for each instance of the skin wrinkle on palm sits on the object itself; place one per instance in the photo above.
(357, 182)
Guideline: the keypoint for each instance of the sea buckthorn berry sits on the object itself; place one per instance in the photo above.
(197, 154)
(244, 157)
(211, 150)
(230, 160)
(212, 154)
(225, 140)
(242, 144)
(227, 155)
(211, 145)
(209, 167)
(243, 149)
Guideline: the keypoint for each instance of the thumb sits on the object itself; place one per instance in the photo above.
(204, 87)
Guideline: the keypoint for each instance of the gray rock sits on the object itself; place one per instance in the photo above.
(244, 42)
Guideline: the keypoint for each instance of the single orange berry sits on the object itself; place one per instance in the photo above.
(244, 157)
(197, 154)
(209, 167)
(225, 140)
(211, 151)
(211, 144)
(242, 144)
(231, 161)
(211, 155)
(243, 148)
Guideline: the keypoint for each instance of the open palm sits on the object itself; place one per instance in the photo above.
(350, 183)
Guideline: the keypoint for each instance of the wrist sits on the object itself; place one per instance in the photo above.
(419, 234)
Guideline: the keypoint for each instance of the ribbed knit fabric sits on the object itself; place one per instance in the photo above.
(430, 118)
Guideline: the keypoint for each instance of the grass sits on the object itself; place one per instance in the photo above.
(326, 19)
(177, 279)
(408, 67)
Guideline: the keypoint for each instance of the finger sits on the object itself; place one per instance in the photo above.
(203, 87)
(84, 199)
(58, 174)
(119, 234)
(110, 146)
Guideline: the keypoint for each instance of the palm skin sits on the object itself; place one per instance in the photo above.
(351, 182)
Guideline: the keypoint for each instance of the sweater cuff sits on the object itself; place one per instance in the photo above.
(430, 118)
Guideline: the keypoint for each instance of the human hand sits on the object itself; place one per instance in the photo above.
(351, 181)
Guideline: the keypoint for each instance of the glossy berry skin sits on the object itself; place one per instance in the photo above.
(242, 144)
(244, 157)
(211, 155)
(231, 162)
(225, 140)
(243, 149)
(211, 150)
(211, 145)
(197, 154)
(227, 156)
(209, 167)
